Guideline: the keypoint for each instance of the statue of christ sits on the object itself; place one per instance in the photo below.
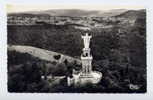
(86, 40)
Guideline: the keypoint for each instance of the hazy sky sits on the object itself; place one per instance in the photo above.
(22, 8)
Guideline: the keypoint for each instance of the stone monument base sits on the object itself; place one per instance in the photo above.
(81, 79)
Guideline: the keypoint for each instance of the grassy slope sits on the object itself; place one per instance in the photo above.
(41, 53)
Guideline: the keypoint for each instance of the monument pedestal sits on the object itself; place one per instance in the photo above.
(80, 79)
(86, 75)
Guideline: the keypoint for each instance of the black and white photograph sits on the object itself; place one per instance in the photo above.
(76, 49)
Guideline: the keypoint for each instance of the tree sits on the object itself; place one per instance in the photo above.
(57, 57)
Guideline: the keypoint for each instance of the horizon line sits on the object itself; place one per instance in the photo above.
(29, 8)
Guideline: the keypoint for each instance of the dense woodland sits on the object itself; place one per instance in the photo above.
(119, 55)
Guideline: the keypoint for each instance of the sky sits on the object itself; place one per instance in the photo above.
(38, 7)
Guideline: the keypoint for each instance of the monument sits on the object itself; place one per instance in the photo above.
(86, 75)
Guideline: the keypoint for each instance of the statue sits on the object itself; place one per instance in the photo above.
(86, 75)
(86, 40)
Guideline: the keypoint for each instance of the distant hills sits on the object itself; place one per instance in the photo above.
(133, 14)
(85, 13)
(76, 12)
